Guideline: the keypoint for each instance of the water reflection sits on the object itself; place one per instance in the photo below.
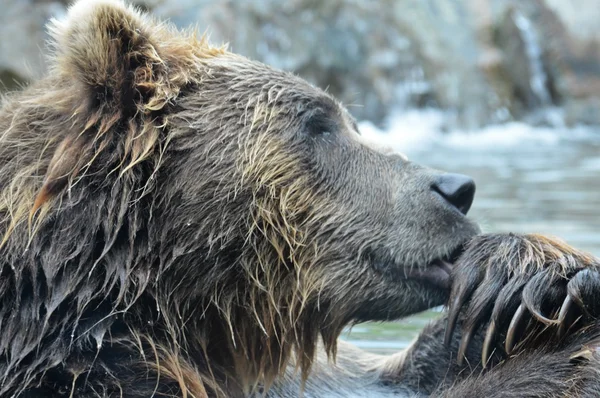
(528, 180)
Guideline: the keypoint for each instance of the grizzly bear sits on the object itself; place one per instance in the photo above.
(178, 220)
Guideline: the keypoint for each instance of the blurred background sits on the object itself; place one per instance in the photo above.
(507, 91)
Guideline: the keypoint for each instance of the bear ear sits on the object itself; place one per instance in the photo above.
(117, 69)
(108, 48)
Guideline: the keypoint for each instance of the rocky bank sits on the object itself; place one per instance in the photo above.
(483, 61)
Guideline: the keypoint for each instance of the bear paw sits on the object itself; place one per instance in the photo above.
(528, 289)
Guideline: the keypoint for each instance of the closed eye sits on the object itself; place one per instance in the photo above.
(320, 125)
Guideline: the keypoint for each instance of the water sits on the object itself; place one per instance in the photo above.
(544, 180)
(538, 79)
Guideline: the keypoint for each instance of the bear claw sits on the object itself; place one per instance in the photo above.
(520, 302)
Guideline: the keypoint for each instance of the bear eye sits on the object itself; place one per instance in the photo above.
(320, 126)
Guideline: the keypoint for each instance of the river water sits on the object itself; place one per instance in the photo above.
(529, 179)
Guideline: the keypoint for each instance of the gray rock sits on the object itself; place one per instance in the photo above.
(472, 58)
(22, 38)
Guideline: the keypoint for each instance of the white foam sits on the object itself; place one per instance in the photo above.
(407, 130)
(419, 130)
(502, 136)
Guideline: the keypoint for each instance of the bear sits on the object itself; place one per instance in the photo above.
(178, 220)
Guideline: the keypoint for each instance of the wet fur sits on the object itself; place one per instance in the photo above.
(179, 220)
(537, 272)
(542, 365)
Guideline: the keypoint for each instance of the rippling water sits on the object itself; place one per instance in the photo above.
(544, 180)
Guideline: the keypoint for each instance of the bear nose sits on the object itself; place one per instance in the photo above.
(457, 189)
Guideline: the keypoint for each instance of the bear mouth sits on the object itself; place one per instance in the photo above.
(438, 272)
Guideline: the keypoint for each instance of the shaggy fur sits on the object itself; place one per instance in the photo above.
(556, 336)
(179, 220)
(498, 271)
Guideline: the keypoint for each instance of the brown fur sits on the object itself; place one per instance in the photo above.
(554, 355)
(544, 363)
(85, 51)
(180, 220)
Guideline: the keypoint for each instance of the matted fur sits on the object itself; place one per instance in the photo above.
(497, 268)
(179, 220)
